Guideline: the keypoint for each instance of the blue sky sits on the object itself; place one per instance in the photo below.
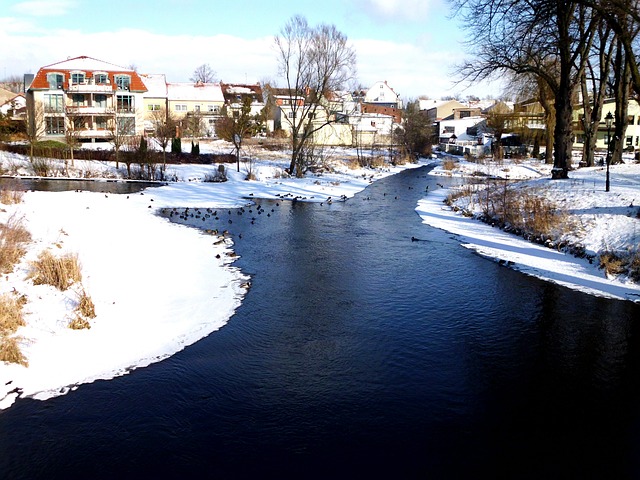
(412, 44)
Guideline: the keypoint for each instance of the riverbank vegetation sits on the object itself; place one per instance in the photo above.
(576, 216)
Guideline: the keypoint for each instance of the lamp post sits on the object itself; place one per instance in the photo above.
(609, 120)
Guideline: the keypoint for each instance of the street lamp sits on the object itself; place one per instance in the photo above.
(609, 120)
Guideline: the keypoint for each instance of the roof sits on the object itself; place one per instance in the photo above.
(202, 92)
(231, 91)
(89, 66)
(6, 95)
(156, 84)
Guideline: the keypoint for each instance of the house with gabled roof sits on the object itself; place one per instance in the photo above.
(196, 106)
(15, 107)
(235, 93)
(88, 96)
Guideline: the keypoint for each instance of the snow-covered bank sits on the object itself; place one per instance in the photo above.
(609, 220)
(157, 286)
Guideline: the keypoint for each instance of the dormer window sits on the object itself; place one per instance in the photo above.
(100, 78)
(123, 82)
(77, 78)
(56, 80)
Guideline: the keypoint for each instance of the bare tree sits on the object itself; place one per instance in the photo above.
(121, 129)
(523, 37)
(35, 124)
(235, 126)
(204, 74)
(314, 61)
(72, 134)
(164, 129)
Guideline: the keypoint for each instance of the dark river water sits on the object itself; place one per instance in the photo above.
(358, 353)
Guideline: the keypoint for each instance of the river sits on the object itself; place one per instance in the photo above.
(358, 351)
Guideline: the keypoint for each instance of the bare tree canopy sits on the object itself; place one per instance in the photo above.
(547, 38)
(203, 74)
(314, 62)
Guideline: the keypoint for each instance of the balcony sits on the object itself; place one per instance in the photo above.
(93, 134)
(89, 110)
(90, 87)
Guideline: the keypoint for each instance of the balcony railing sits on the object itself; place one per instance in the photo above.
(86, 110)
(90, 87)
(93, 133)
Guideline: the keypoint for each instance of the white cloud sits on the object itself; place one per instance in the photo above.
(43, 8)
(411, 70)
(393, 10)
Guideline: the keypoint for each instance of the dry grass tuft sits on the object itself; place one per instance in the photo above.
(13, 236)
(10, 313)
(61, 272)
(85, 307)
(10, 196)
(10, 320)
(79, 323)
(10, 351)
(448, 164)
(612, 263)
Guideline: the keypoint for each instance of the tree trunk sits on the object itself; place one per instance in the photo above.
(563, 131)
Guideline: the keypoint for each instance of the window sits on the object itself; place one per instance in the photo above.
(55, 80)
(123, 82)
(465, 114)
(291, 114)
(54, 125)
(77, 100)
(125, 103)
(181, 108)
(630, 120)
(373, 124)
(197, 108)
(100, 101)
(449, 129)
(629, 141)
(101, 123)
(154, 107)
(79, 123)
(126, 125)
(100, 78)
(77, 78)
(53, 103)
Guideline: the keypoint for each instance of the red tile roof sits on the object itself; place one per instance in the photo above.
(87, 65)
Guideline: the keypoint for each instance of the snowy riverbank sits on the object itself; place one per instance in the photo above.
(604, 220)
(157, 286)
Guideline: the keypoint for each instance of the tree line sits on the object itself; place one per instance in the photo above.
(558, 52)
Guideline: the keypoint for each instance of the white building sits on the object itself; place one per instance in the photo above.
(88, 97)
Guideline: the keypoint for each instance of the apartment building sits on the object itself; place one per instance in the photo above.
(87, 97)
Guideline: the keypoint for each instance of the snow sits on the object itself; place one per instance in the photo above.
(604, 221)
(159, 287)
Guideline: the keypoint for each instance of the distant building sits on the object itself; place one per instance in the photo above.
(87, 96)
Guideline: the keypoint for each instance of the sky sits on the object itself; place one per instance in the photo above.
(412, 44)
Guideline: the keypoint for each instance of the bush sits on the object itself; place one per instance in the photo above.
(60, 272)
(176, 146)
